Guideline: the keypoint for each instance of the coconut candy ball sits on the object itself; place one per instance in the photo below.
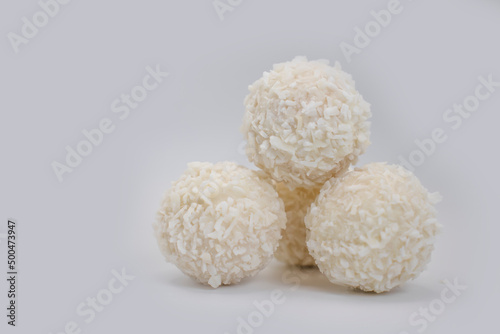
(220, 223)
(373, 228)
(292, 247)
(305, 122)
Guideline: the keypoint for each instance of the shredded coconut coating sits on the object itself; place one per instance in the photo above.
(305, 122)
(292, 247)
(373, 228)
(220, 222)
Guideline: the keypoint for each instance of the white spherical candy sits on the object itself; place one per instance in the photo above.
(373, 228)
(220, 223)
(305, 122)
(292, 247)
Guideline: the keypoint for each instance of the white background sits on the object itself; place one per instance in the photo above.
(73, 234)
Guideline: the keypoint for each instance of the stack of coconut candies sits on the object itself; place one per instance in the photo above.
(370, 228)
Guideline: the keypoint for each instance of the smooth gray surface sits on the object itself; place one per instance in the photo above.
(74, 233)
